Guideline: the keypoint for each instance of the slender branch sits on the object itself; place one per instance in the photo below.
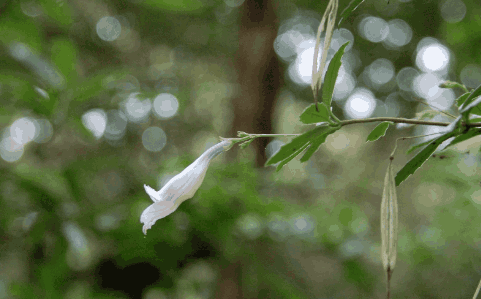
(343, 123)
(477, 290)
(432, 107)
(396, 120)
(272, 135)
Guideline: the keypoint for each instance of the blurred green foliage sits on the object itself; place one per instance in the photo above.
(71, 206)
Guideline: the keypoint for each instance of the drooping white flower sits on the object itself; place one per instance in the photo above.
(180, 188)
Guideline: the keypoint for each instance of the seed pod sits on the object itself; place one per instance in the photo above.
(389, 220)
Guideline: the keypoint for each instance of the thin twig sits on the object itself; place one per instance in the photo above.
(477, 290)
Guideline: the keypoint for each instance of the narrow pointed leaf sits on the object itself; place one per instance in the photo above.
(415, 147)
(418, 160)
(389, 220)
(288, 159)
(348, 10)
(311, 116)
(472, 101)
(379, 131)
(460, 101)
(297, 145)
(292, 147)
(331, 76)
(316, 143)
(471, 133)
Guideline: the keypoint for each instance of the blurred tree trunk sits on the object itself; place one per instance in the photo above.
(259, 74)
(229, 286)
(260, 78)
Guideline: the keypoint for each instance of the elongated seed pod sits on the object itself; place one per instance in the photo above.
(389, 220)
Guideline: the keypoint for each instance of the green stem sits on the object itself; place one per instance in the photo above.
(343, 123)
(335, 117)
(477, 290)
(395, 120)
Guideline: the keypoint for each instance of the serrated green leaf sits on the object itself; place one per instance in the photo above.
(418, 160)
(348, 10)
(379, 131)
(311, 116)
(316, 143)
(331, 76)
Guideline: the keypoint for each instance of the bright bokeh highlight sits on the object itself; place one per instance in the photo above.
(108, 28)
(165, 105)
(95, 121)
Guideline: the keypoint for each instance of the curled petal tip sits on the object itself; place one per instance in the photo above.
(154, 195)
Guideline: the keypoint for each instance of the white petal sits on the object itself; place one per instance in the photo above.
(154, 195)
(155, 212)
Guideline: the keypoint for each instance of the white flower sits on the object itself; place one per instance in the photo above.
(180, 188)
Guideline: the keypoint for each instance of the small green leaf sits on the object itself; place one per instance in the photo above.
(460, 101)
(379, 131)
(316, 143)
(311, 116)
(426, 114)
(418, 160)
(348, 10)
(331, 76)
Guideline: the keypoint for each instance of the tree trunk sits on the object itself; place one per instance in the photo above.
(259, 74)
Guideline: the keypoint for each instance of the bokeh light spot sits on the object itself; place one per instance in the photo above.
(360, 104)
(400, 33)
(95, 121)
(452, 11)
(166, 105)
(23, 130)
(432, 58)
(154, 139)
(108, 28)
(373, 29)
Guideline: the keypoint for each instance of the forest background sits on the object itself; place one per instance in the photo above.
(100, 97)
